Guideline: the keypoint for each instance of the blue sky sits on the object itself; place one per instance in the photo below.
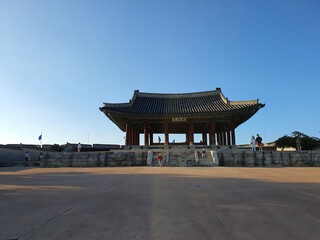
(60, 60)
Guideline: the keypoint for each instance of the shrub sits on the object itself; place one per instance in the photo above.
(307, 143)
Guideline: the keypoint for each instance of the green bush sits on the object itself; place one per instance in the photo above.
(307, 143)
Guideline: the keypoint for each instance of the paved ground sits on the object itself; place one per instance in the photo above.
(160, 203)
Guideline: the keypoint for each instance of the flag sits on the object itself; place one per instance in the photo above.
(40, 137)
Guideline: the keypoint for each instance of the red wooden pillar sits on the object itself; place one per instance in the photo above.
(128, 134)
(191, 132)
(133, 136)
(146, 134)
(220, 136)
(137, 138)
(204, 137)
(228, 135)
(212, 132)
(151, 138)
(233, 134)
(166, 133)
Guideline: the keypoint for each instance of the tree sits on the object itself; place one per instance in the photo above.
(307, 143)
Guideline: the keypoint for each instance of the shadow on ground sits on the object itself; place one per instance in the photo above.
(154, 203)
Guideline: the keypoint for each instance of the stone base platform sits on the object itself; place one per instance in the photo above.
(182, 156)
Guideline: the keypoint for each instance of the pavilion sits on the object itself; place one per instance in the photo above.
(208, 113)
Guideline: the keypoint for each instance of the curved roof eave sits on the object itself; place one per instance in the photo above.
(226, 113)
(197, 105)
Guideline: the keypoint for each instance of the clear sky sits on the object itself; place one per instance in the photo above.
(60, 60)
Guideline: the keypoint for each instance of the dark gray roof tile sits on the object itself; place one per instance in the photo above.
(188, 104)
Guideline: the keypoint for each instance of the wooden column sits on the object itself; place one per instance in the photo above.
(127, 134)
(132, 137)
(146, 134)
(228, 135)
(220, 137)
(225, 134)
(166, 133)
(191, 132)
(233, 134)
(212, 132)
(137, 138)
(204, 138)
(151, 137)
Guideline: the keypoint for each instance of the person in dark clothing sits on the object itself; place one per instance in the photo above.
(259, 142)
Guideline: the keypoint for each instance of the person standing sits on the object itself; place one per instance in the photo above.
(160, 159)
(79, 147)
(203, 152)
(298, 142)
(253, 143)
(27, 156)
(259, 142)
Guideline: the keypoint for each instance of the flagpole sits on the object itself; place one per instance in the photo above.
(40, 140)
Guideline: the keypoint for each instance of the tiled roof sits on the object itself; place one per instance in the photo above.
(199, 104)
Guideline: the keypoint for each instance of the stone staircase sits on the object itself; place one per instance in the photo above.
(183, 156)
(206, 160)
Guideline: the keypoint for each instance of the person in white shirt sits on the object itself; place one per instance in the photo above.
(79, 147)
(253, 143)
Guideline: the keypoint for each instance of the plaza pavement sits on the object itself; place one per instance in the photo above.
(160, 203)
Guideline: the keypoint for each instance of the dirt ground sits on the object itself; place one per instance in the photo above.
(160, 203)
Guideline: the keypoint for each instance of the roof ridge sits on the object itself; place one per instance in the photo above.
(244, 102)
(116, 104)
(175, 95)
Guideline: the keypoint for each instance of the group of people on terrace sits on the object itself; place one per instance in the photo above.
(256, 142)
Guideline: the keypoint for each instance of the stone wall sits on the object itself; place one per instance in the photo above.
(248, 158)
(93, 159)
(14, 156)
(183, 156)
(180, 156)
